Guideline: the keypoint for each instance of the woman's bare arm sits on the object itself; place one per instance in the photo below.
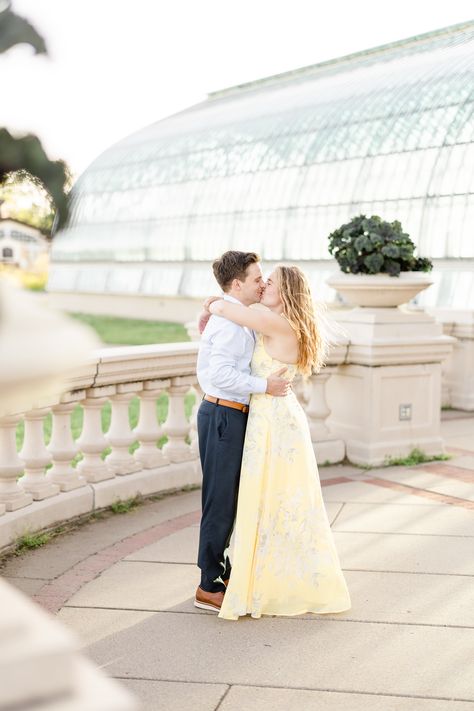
(265, 322)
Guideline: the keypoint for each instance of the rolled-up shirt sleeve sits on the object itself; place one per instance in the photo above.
(227, 348)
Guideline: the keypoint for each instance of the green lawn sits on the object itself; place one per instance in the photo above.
(133, 332)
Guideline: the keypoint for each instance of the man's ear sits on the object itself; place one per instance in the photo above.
(236, 285)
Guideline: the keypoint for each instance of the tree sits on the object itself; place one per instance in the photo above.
(26, 153)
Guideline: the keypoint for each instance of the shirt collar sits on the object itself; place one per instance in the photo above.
(228, 297)
(232, 299)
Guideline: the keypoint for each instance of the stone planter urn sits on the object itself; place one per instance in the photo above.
(379, 290)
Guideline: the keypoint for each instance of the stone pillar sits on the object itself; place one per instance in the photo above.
(12, 496)
(63, 449)
(92, 441)
(148, 431)
(176, 427)
(385, 399)
(327, 447)
(120, 435)
(36, 457)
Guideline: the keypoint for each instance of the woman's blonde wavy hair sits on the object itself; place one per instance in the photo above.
(299, 310)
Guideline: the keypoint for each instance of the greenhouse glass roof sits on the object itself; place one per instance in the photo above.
(275, 165)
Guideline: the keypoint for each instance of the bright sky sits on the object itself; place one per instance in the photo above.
(115, 66)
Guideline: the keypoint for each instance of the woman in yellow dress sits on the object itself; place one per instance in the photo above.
(285, 561)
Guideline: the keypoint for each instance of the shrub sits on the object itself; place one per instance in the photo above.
(370, 245)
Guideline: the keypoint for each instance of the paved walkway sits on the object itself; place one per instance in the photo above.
(405, 536)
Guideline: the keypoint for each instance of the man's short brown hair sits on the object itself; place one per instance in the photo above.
(233, 265)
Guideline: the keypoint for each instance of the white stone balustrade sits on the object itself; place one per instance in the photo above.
(114, 375)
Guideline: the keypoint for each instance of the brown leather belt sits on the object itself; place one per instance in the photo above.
(226, 403)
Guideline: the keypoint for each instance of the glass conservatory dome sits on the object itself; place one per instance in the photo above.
(275, 165)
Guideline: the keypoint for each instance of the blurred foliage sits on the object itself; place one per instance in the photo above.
(24, 198)
(33, 280)
(26, 153)
(16, 30)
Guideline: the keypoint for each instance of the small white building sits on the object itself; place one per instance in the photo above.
(20, 244)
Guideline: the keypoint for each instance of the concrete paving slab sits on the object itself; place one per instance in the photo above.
(90, 624)
(332, 509)
(405, 553)
(402, 598)
(179, 547)
(182, 546)
(364, 492)
(166, 695)
(458, 427)
(268, 699)
(409, 598)
(321, 654)
(434, 482)
(70, 548)
(139, 586)
(29, 586)
(463, 441)
(441, 519)
(465, 461)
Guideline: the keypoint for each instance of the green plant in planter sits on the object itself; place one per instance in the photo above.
(370, 245)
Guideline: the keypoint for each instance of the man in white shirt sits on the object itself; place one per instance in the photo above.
(223, 370)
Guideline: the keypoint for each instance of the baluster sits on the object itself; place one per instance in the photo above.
(120, 435)
(92, 441)
(301, 389)
(176, 426)
(328, 448)
(148, 431)
(12, 496)
(35, 457)
(62, 447)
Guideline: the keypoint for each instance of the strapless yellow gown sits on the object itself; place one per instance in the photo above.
(285, 561)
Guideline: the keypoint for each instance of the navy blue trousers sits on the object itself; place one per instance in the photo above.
(221, 432)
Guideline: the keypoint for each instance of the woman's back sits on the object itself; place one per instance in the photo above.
(282, 344)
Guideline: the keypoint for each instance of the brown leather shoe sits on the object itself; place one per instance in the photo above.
(208, 600)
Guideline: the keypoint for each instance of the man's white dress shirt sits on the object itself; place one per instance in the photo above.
(223, 365)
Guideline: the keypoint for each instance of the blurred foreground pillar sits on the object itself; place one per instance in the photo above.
(40, 666)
